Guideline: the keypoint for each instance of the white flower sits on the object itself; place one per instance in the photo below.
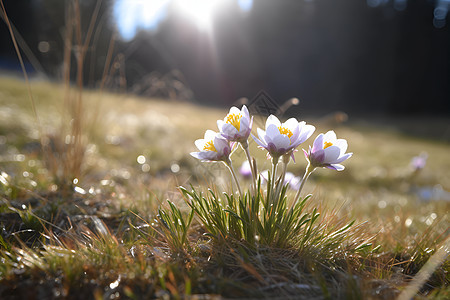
(237, 125)
(328, 152)
(245, 170)
(294, 181)
(264, 176)
(282, 138)
(212, 148)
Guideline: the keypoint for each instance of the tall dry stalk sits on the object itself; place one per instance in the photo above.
(68, 153)
(4, 16)
(64, 152)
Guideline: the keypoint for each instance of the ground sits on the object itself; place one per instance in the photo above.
(81, 207)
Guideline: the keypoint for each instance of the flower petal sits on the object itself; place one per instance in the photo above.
(272, 148)
(336, 167)
(293, 157)
(196, 155)
(244, 125)
(220, 144)
(262, 136)
(330, 136)
(342, 144)
(229, 131)
(343, 157)
(245, 112)
(291, 124)
(205, 155)
(249, 127)
(272, 131)
(306, 152)
(281, 141)
(209, 135)
(272, 120)
(295, 134)
(234, 110)
(307, 131)
(220, 124)
(331, 154)
(200, 143)
(318, 143)
(259, 142)
(317, 157)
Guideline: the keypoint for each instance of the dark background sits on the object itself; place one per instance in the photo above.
(350, 55)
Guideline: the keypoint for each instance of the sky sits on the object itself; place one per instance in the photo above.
(132, 15)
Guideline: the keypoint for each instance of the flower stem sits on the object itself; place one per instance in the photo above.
(230, 167)
(274, 172)
(308, 171)
(249, 158)
(282, 177)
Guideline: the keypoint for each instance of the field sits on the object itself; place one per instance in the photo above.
(84, 213)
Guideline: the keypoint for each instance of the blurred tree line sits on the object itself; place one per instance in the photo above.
(332, 55)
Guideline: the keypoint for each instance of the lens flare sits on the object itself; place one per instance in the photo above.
(200, 11)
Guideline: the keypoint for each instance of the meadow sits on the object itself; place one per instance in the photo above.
(103, 201)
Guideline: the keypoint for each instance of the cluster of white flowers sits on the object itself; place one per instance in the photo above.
(235, 127)
(279, 139)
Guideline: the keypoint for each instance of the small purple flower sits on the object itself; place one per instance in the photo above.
(245, 170)
(328, 152)
(419, 162)
(282, 138)
(294, 181)
(237, 125)
(212, 148)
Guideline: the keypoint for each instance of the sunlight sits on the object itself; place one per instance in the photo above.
(151, 10)
(131, 15)
(200, 11)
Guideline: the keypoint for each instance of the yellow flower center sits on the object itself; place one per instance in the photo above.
(209, 146)
(284, 130)
(235, 120)
(327, 144)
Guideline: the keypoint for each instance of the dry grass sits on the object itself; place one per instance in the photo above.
(103, 238)
(85, 175)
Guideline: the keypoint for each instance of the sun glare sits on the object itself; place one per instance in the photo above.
(200, 11)
(132, 15)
